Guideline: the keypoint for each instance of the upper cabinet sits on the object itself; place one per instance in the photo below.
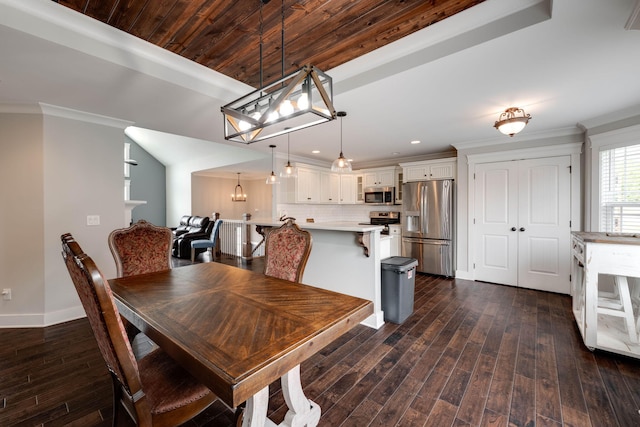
(359, 188)
(307, 185)
(329, 187)
(380, 177)
(399, 181)
(318, 185)
(348, 189)
(429, 169)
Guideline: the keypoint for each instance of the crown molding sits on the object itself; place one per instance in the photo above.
(68, 113)
(633, 23)
(560, 133)
(58, 24)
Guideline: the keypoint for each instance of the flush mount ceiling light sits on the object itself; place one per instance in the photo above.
(273, 178)
(238, 195)
(288, 171)
(341, 164)
(512, 121)
(301, 99)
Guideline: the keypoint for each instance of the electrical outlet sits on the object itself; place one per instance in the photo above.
(93, 219)
(6, 294)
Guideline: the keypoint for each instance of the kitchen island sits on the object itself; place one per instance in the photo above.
(345, 257)
(596, 255)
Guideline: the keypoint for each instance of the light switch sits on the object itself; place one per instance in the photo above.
(93, 219)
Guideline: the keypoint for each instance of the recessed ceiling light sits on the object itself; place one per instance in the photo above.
(395, 153)
(415, 141)
(316, 151)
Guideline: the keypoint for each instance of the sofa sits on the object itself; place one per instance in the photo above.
(183, 227)
(190, 228)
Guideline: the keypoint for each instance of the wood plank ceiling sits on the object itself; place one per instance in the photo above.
(225, 34)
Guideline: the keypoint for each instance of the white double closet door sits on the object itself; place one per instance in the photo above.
(522, 223)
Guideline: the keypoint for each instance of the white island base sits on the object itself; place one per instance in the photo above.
(345, 257)
(595, 254)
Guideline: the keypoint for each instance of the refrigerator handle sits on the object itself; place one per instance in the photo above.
(424, 208)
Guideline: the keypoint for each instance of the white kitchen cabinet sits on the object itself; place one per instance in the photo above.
(359, 188)
(347, 189)
(308, 185)
(382, 177)
(329, 187)
(398, 184)
(395, 232)
(429, 169)
(315, 185)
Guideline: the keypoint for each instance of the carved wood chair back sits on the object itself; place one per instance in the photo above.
(154, 390)
(287, 250)
(141, 248)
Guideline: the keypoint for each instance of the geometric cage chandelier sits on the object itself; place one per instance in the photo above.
(296, 101)
(301, 99)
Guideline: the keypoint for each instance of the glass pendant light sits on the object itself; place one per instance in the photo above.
(288, 171)
(273, 178)
(341, 164)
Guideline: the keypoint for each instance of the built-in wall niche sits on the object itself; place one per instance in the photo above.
(127, 166)
(129, 204)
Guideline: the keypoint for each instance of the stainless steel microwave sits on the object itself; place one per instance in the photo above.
(380, 195)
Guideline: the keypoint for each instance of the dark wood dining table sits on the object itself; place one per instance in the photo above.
(238, 331)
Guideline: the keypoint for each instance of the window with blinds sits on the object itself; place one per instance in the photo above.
(620, 190)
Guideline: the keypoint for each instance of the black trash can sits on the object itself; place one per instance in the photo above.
(398, 285)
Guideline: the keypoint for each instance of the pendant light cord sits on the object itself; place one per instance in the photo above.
(261, 30)
(282, 31)
(340, 135)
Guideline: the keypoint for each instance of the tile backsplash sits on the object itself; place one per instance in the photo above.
(327, 213)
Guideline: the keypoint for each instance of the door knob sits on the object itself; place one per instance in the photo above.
(521, 228)
(513, 229)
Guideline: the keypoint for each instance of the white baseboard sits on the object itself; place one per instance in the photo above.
(464, 274)
(375, 321)
(40, 320)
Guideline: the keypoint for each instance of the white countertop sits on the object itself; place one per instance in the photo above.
(329, 225)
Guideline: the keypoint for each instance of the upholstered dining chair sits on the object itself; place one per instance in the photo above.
(138, 249)
(286, 252)
(206, 244)
(154, 390)
(141, 248)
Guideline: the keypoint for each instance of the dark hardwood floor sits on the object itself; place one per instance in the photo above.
(472, 354)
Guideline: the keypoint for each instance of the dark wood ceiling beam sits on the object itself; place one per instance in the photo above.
(337, 48)
(224, 34)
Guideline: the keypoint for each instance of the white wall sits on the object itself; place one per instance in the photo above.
(76, 159)
(464, 184)
(178, 194)
(210, 194)
(602, 136)
(21, 217)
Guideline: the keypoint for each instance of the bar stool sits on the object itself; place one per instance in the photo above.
(619, 304)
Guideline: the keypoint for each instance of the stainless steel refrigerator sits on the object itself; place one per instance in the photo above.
(427, 225)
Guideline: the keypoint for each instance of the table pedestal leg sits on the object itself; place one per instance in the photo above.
(302, 411)
(255, 411)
